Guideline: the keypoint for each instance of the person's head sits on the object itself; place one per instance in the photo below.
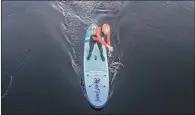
(106, 28)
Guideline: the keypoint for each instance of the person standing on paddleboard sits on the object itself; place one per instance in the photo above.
(100, 32)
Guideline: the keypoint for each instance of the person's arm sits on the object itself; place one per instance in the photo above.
(108, 38)
(100, 38)
(108, 42)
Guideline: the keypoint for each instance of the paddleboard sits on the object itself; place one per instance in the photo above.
(95, 73)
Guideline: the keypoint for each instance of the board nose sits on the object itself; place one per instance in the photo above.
(91, 30)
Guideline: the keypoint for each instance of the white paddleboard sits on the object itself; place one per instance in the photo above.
(96, 73)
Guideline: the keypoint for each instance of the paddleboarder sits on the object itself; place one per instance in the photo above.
(98, 33)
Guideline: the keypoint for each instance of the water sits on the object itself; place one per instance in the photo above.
(151, 66)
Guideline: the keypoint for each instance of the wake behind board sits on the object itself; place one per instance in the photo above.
(96, 73)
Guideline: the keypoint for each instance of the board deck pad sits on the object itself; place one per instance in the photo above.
(96, 73)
